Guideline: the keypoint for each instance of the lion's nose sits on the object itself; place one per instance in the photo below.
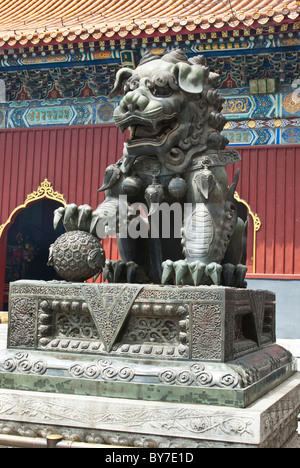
(134, 101)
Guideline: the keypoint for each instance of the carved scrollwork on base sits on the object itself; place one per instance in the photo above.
(198, 375)
(21, 363)
(102, 370)
(23, 321)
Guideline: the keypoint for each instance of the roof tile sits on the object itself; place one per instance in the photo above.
(38, 21)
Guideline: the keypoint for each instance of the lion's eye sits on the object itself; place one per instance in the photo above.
(161, 90)
(162, 84)
(131, 86)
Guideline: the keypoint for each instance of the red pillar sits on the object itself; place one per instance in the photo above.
(3, 243)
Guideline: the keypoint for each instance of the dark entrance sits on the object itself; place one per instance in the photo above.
(28, 241)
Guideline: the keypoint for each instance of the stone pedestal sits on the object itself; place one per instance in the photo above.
(190, 366)
(268, 423)
(207, 323)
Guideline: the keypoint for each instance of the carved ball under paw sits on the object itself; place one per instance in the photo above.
(77, 256)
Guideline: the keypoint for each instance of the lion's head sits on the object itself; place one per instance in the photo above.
(170, 106)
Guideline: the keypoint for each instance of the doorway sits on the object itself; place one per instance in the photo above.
(28, 240)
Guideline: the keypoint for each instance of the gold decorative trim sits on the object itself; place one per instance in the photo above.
(256, 226)
(45, 190)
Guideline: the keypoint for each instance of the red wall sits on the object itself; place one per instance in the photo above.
(269, 184)
(74, 159)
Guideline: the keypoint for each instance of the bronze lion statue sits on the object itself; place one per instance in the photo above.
(173, 166)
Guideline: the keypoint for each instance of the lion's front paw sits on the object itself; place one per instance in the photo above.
(73, 217)
(121, 272)
(198, 273)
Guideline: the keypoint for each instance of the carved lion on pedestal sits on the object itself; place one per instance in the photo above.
(175, 157)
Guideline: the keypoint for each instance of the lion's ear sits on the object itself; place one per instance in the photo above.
(122, 75)
(190, 77)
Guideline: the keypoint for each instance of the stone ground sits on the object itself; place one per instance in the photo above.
(289, 344)
(3, 334)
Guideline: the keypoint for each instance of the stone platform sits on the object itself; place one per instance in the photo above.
(268, 423)
(207, 345)
(146, 361)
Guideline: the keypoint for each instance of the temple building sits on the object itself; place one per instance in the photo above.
(58, 62)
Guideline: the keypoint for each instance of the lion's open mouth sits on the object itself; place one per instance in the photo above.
(143, 133)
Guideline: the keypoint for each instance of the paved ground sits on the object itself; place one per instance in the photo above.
(3, 335)
(293, 346)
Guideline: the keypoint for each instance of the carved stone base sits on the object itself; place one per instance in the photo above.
(209, 323)
(206, 345)
(236, 384)
(146, 365)
(268, 423)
